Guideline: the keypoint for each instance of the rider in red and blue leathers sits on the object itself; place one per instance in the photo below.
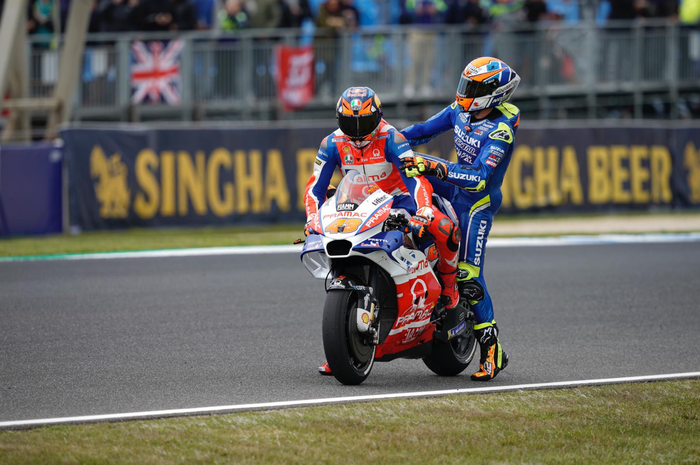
(484, 131)
(366, 143)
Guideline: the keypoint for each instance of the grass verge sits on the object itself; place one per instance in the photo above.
(150, 239)
(631, 423)
(174, 238)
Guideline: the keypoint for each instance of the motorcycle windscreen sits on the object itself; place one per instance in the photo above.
(354, 188)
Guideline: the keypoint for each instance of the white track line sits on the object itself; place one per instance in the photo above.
(277, 249)
(336, 400)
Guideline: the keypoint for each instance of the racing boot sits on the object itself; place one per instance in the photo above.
(450, 291)
(493, 357)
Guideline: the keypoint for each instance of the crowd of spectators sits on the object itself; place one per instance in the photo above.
(230, 15)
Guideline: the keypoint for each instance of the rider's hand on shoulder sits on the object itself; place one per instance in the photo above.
(419, 166)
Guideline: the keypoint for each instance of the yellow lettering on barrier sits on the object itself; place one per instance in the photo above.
(275, 182)
(598, 168)
(190, 183)
(220, 206)
(691, 162)
(620, 174)
(570, 178)
(167, 183)
(148, 198)
(546, 173)
(506, 188)
(639, 174)
(248, 182)
(660, 174)
(305, 167)
(523, 194)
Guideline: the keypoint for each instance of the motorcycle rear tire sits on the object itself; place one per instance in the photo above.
(453, 357)
(349, 358)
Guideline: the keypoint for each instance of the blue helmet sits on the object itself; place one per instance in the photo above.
(485, 83)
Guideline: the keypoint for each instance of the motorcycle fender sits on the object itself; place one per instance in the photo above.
(365, 305)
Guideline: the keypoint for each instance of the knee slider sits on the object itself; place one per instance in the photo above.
(468, 287)
(471, 290)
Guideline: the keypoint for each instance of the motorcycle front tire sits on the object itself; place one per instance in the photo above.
(349, 357)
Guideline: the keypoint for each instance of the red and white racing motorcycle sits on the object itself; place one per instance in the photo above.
(383, 297)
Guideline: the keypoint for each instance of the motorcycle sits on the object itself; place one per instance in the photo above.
(383, 296)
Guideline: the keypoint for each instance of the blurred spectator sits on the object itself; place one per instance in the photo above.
(233, 16)
(336, 16)
(166, 15)
(423, 11)
(205, 13)
(184, 15)
(294, 13)
(622, 9)
(502, 10)
(535, 10)
(465, 12)
(333, 15)
(94, 24)
(264, 14)
(117, 15)
(421, 43)
(368, 11)
(40, 17)
(351, 14)
(663, 8)
(567, 10)
(689, 12)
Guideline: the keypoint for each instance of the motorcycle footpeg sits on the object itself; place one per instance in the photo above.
(439, 314)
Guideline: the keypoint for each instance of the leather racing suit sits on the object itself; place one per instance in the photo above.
(380, 162)
(473, 184)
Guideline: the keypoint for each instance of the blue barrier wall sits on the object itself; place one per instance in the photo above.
(176, 177)
(31, 194)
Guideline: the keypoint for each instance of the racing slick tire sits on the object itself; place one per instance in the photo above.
(349, 357)
(454, 356)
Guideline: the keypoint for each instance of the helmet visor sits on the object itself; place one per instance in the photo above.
(358, 127)
(473, 89)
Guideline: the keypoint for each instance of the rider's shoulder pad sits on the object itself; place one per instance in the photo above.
(503, 132)
(399, 138)
(324, 143)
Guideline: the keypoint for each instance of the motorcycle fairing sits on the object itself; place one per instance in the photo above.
(417, 294)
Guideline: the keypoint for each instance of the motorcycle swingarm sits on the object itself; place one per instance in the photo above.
(456, 322)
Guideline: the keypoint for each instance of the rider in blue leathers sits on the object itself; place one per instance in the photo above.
(484, 131)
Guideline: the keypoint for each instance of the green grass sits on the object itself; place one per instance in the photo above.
(631, 423)
(149, 239)
(173, 238)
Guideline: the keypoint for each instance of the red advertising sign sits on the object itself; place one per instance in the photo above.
(295, 76)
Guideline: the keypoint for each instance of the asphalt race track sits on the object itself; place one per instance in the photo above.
(125, 335)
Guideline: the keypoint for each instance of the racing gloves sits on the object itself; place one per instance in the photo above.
(307, 227)
(417, 166)
(420, 222)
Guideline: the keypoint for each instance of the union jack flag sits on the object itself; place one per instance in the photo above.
(155, 72)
